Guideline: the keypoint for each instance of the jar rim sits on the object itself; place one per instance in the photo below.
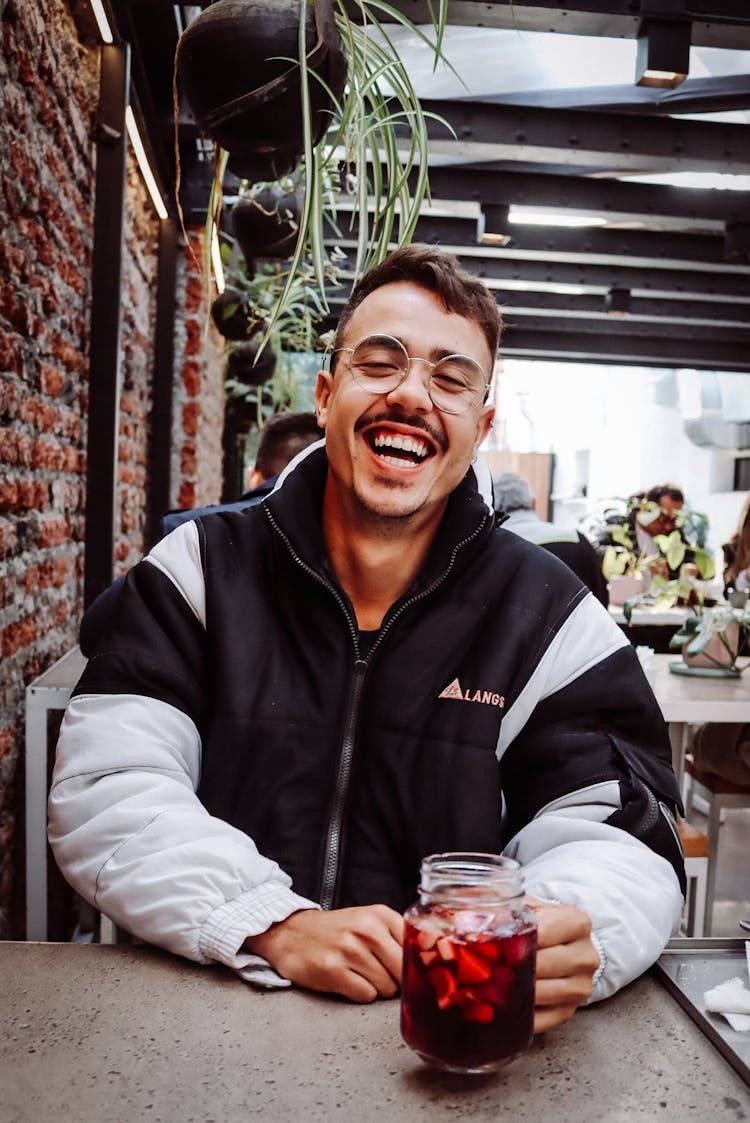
(459, 872)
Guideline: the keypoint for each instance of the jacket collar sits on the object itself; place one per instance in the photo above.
(296, 506)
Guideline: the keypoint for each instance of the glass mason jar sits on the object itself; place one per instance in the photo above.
(467, 995)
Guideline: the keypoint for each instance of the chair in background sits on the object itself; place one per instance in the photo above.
(695, 845)
(718, 795)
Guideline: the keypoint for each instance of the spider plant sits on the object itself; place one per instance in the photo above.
(379, 108)
(286, 330)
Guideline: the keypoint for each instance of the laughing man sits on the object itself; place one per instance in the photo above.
(300, 701)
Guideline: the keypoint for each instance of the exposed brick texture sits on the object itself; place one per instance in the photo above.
(50, 81)
(199, 393)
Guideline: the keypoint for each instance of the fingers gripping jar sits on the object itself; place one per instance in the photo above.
(467, 996)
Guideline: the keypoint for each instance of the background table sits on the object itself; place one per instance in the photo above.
(122, 1034)
(690, 699)
(51, 691)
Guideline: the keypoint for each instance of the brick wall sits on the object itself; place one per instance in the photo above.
(50, 88)
(199, 389)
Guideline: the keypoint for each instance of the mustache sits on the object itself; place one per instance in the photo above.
(414, 421)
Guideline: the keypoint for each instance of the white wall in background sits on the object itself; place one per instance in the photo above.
(613, 430)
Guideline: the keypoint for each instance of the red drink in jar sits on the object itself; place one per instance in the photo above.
(467, 1000)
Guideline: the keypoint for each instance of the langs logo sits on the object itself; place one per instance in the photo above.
(486, 697)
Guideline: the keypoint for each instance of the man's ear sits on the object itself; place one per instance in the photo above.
(323, 391)
(254, 479)
(484, 424)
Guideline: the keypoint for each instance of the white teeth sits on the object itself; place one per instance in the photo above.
(405, 444)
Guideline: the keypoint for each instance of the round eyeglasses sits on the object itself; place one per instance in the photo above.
(380, 363)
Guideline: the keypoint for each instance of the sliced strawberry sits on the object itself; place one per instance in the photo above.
(478, 1012)
(488, 950)
(446, 949)
(464, 996)
(427, 937)
(429, 956)
(471, 968)
(443, 984)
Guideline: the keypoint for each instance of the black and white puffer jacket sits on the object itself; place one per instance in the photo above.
(233, 754)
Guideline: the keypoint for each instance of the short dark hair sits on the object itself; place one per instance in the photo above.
(282, 437)
(440, 273)
(672, 491)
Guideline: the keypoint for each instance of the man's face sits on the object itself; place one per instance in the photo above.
(394, 456)
(665, 521)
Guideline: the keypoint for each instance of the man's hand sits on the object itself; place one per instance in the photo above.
(356, 952)
(566, 962)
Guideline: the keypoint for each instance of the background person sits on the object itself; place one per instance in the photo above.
(737, 554)
(514, 499)
(647, 524)
(283, 436)
(301, 700)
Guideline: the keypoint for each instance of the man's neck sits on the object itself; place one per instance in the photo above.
(375, 560)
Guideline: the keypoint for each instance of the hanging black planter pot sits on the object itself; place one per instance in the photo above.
(231, 316)
(266, 224)
(245, 94)
(243, 367)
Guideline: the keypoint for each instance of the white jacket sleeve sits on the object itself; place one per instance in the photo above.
(132, 837)
(618, 871)
(631, 893)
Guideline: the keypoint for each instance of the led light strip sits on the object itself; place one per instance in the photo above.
(217, 262)
(143, 164)
(135, 137)
(102, 22)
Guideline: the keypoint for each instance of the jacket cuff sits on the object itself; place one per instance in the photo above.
(227, 927)
(597, 993)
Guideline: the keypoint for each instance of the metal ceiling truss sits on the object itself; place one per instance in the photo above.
(563, 149)
(716, 23)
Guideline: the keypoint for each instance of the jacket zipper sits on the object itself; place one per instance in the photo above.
(343, 775)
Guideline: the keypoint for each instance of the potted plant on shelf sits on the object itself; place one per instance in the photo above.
(357, 128)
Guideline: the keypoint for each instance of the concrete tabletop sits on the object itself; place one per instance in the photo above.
(119, 1034)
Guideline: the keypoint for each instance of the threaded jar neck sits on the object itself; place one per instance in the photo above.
(468, 879)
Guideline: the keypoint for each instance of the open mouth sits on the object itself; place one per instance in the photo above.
(399, 448)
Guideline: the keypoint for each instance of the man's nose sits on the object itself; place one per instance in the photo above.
(414, 391)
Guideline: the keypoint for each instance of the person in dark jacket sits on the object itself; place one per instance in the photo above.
(300, 701)
(283, 437)
(514, 503)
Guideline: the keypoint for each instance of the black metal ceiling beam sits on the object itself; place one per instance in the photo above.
(584, 138)
(695, 284)
(623, 327)
(610, 348)
(644, 309)
(695, 95)
(639, 245)
(616, 199)
(571, 308)
(496, 267)
(642, 247)
(716, 23)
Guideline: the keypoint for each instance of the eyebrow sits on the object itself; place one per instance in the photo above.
(434, 356)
